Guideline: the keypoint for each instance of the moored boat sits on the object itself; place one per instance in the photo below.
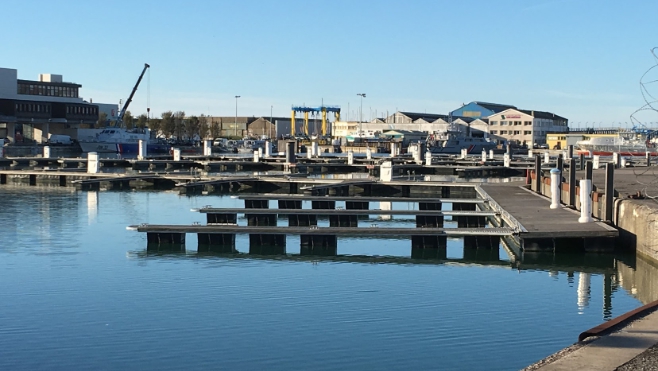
(452, 142)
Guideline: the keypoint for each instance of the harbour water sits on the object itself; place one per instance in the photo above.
(79, 291)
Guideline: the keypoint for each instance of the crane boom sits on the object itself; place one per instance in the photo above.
(130, 98)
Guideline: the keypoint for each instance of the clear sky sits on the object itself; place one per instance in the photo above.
(581, 59)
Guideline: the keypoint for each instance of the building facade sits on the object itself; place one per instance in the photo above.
(525, 127)
(33, 109)
(479, 110)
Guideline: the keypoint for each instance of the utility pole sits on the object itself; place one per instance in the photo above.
(362, 95)
(271, 123)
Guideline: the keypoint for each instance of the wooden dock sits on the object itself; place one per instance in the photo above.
(541, 227)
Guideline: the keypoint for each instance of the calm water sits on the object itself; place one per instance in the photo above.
(79, 291)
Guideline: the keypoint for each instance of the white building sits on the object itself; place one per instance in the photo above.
(525, 127)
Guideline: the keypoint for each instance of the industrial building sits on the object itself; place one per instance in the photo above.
(30, 110)
(525, 127)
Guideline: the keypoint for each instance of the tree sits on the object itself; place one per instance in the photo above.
(192, 127)
(167, 124)
(203, 126)
(142, 120)
(215, 129)
(179, 124)
(155, 125)
(102, 120)
(128, 120)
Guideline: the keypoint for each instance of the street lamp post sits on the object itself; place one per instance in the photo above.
(271, 123)
(362, 95)
(236, 115)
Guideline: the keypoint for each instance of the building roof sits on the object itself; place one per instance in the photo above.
(429, 117)
(496, 107)
(542, 114)
(404, 132)
(70, 84)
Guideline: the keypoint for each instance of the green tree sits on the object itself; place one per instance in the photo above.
(102, 120)
(179, 124)
(203, 127)
(215, 129)
(192, 127)
(155, 125)
(167, 124)
(128, 120)
(142, 120)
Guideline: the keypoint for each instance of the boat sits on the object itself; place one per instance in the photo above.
(626, 144)
(452, 142)
(123, 141)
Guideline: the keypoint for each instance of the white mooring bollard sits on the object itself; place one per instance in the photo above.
(555, 188)
(616, 159)
(484, 155)
(46, 152)
(368, 153)
(93, 165)
(141, 150)
(386, 171)
(207, 147)
(507, 160)
(394, 149)
(268, 148)
(256, 156)
(491, 154)
(622, 164)
(585, 201)
(464, 153)
(417, 156)
(428, 158)
(176, 154)
(547, 157)
(530, 154)
(350, 158)
(309, 154)
(596, 162)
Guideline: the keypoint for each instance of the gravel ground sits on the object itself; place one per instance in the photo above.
(553, 357)
(646, 361)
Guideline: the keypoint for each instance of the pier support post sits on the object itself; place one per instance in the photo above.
(323, 205)
(508, 149)
(459, 206)
(471, 221)
(589, 169)
(318, 245)
(343, 221)
(609, 191)
(386, 171)
(176, 154)
(429, 221)
(46, 152)
(93, 165)
(428, 158)
(538, 173)
(357, 205)
(221, 218)
(647, 155)
(570, 151)
(555, 188)
(141, 150)
(267, 244)
(585, 201)
(302, 220)
(429, 247)
(223, 243)
(290, 153)
(161, 238)
(616, 159)
(560, 163)
(268, 149)
(256, 204)
(2, 152)
(582, 161)
(572, 182)
(207, 147)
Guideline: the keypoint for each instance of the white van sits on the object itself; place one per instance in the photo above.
(59, 139)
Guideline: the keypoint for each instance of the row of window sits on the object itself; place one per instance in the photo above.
(82, 110)
(48, 90)
(32, 107)
(512, 132)
(45, 108)
(514, 123)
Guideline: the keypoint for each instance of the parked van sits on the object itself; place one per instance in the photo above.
(59, 139)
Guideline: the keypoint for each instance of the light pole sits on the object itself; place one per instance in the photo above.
(362, 95)
(271, 123)
(236, 115)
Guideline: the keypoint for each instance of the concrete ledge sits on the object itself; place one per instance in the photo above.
(609, 326)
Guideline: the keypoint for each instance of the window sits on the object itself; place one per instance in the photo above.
(493, 132)
(527, 132)
(494, 122)
(517, 123)
(527, 123)
(503, 123)
(517, 132)
(503, 132)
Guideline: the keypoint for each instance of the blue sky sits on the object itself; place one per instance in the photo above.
(579, 59)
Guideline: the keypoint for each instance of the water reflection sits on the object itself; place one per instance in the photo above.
(639, 277)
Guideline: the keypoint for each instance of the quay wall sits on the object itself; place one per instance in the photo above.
(637, 220)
